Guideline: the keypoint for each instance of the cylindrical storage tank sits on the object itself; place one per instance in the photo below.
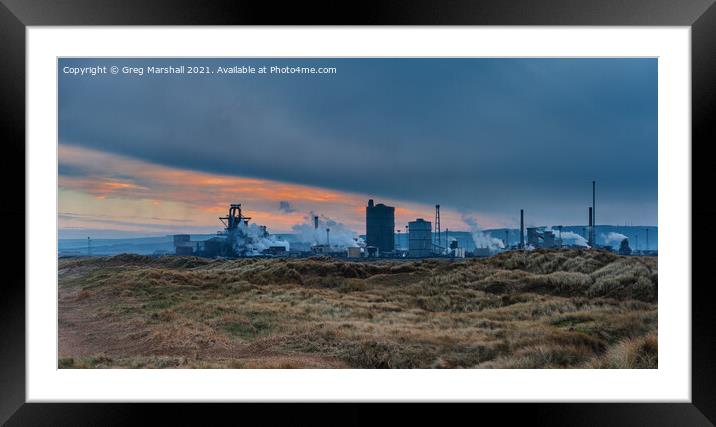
(420, 242)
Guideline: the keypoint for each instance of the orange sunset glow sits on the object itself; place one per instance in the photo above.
(134, 195)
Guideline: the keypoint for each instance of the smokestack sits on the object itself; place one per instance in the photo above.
(315, 222)
(594, 210)
(522, 228)
(591, 231)
(437, 224)
(328, 236)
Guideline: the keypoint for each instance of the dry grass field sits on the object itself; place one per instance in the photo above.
(539, 309)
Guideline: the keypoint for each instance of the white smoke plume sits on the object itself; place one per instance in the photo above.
(252, 240)
(481, 239)
(613, 239)
(340, 235)
(571, 238)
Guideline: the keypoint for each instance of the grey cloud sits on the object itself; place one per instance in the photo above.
(486, 135)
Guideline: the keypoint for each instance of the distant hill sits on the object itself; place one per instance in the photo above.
(134, 245)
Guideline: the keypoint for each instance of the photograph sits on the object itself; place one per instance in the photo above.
(491, 205)
(357, 212)
(488, 205)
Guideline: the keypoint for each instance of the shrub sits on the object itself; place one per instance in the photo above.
(630, 353)
(559, 283)
(542, 356)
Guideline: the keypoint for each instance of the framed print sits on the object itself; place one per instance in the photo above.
(481, 205)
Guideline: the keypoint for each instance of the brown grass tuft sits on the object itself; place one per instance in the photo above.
(536, 309)
(630, 353)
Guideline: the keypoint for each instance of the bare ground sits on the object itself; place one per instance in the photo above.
(541, 309)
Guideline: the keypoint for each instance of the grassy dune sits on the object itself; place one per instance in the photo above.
(541, 309)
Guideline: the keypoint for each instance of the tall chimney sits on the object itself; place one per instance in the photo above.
(522, 228)
(328, 237)
(591, 231)
(594, 211)
(437, 225)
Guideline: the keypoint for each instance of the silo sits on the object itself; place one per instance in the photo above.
(420, 242)
(380, 226)
(590, 240)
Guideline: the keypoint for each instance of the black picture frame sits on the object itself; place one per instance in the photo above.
(16, 15)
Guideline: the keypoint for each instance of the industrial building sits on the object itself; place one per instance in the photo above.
(533, 236)
(481, 252)
(237, 240)
(380, 227)
(548, 239)
(539, 237)
(624, 248)
(454, 250)
(183, 244)
(324, 247)
(325, 250)
(420, 238)
(354, 252)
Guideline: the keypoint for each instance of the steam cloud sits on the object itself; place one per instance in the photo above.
(340, 235)
(613, 239)
(571, 238)
(481, 239)
(252, 240)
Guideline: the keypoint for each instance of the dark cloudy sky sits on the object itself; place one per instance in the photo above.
(483, 137)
